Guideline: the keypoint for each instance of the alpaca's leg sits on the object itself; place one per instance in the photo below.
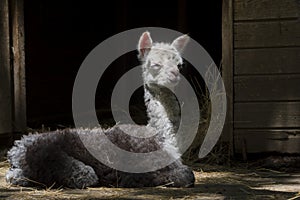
(73, 173)
(182, 177)
(176, 175)
(130, 180)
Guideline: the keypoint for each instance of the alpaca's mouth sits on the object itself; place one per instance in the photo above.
(174, 79)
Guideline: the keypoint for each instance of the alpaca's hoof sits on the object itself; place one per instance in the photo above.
(184, 177)
(181, 176)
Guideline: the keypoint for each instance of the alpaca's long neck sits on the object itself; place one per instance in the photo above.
(164, 114)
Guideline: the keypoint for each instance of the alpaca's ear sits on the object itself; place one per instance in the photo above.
(145, 44)
(180, 43)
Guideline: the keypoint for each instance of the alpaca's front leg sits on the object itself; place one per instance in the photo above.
(72, 173)
(175, 175)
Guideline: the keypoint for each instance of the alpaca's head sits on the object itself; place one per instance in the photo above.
(161, 60)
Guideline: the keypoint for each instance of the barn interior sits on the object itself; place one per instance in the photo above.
(255, 45)
(59, 35)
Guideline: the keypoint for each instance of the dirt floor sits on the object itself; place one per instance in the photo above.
(213, 182)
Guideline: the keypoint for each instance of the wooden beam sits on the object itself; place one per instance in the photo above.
(269, 140)
(265, 9)
(267, 115)
(267, 61)
(18, 53)
(227, 68)
(5, 71)
(284, 87)
(267, 34)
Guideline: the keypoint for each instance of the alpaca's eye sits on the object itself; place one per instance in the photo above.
(156, 66)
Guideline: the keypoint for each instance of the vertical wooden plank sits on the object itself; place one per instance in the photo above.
(227, 67)
(5, 72)
(18, 53)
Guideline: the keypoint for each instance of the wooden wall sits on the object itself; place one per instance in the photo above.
(264, 75)
(12, 70)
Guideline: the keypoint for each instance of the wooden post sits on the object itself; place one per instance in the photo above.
(18, 58)
(5, 72)
(227, 68)
(12, 70)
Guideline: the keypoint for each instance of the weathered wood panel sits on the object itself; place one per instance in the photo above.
(267, 34)
(17, 35)
(5, 73)
(267, 115)
(266, 107)
(257, 141)
(265, 9)
(267, 61)
(227, 68)
(267, 88)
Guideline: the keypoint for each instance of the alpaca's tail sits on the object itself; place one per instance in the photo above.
(39, 160)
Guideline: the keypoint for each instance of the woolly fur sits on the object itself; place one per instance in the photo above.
(60, 158)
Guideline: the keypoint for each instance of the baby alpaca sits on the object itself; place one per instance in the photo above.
(60, 157)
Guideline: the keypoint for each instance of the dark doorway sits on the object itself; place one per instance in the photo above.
(60, 34)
